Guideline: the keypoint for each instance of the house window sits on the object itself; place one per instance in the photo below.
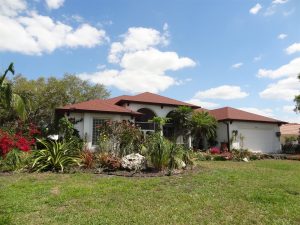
(96, 133)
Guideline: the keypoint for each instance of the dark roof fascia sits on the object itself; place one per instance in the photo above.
(122, 101)
(97, 111)
(254, 121)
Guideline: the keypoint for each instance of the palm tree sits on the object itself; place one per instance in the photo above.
(204, 126)
(297, 99)
(10, 100)
(181, 119)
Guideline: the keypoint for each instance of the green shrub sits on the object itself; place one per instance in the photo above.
(240, 154)
(219, 158)
(15, 160)
(158, 150)
(291, 148)
(164, 154)
(119, 138)
(176, 156)
(56, 156)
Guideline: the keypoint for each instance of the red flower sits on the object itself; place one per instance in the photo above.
(22, 143)
(6, 143)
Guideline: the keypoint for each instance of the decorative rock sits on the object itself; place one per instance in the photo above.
(181, 165)
(245, 159)
(134, 161)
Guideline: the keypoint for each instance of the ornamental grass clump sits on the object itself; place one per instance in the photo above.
(55, 156)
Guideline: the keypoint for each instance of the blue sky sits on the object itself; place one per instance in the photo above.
(244, 54)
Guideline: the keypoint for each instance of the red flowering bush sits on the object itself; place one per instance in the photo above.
(215, 150)
(21, 138)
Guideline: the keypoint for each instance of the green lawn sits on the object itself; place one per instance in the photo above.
(259, 192)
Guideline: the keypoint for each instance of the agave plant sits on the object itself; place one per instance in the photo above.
(56, 156)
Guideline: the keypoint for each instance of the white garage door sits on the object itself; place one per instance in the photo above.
(258, 139)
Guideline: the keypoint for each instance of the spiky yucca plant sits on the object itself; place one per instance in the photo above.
(56, 156)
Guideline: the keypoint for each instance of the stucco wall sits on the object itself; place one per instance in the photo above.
(222, 133)
(161, 111)
(258, 136)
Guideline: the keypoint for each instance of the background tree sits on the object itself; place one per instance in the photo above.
(12, 104)
(47, 94)
(297, 99)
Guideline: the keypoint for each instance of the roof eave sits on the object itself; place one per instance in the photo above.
(157, 103)
(255, 121)
(98, 111)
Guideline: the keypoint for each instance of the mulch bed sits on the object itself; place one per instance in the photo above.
(148, 172)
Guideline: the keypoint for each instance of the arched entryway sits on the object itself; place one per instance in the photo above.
(144, 120)
(169, 129)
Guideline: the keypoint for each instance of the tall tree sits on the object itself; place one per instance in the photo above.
(297, 99)
(204, 127)
(48, 94)
(11, 102)
(181, 119)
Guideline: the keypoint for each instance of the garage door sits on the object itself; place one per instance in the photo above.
(258, 139)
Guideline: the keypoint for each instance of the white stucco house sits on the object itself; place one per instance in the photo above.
(260, 133)
(247, 130)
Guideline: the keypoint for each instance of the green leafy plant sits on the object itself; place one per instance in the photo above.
(177, 157)
(158, 150)
(55, 156)
(240, 154)
(15, 160)
(119, 138)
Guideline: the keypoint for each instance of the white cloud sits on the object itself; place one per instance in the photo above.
(255, 9)
(293, 48)
(135, 39)
(155, 61)
(35, 34)
(12, 7)
(237, 65)
(279, 1)
(288, 70)
(131, 81)
(285, 89)
(273, 7)
(264, 112)
(203, 104)
(288, 108)
(143, 66)
(54, 4)
(225, 92)
(282, 36)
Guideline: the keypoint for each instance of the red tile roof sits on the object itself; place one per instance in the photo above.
(98, 105)
(228, 113)
(290, 129)
(150, 98)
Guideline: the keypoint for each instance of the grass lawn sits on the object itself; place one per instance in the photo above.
(259, 192)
